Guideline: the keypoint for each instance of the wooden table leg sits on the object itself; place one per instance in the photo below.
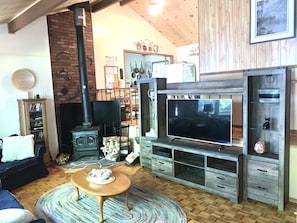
(100, 200)
(77, 194)
(127, 197)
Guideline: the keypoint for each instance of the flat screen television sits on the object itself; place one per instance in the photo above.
(205, 120)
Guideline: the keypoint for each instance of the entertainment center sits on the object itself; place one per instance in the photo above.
(186, 134)
(199, 165)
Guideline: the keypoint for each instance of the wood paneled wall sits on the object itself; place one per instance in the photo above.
(224, 40)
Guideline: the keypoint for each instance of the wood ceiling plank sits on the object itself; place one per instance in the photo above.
(178, 21)
(9, 9)
(39, 9)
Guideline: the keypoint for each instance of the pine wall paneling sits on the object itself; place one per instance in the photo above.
(224, 40)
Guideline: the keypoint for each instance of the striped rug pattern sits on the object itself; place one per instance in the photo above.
(59, 206)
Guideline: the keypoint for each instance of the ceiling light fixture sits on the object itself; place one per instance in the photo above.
(156, 7)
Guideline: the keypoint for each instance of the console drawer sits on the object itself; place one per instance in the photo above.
(261, 188)
(146, 153)
(146, 159)
(161, 166)
(263, 170)
(221, 179)
(146, 146)
(220, 187)
(146, 162)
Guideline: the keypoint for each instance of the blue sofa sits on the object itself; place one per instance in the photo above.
(20, 172)
(12, 211)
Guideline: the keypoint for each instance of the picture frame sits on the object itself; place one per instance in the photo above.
(271, 20)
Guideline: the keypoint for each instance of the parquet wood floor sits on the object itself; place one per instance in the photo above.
(199, 206)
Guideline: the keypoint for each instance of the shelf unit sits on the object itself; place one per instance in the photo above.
(32, 115)
(266, 106)
(152, 110)
(200, 165)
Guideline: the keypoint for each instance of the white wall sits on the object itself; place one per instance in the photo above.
(117, 28)
(293, 173)
(27, 48)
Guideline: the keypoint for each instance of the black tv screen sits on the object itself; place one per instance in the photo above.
(206, 120)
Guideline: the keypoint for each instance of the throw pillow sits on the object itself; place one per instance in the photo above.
(16, 215)
(17, 148)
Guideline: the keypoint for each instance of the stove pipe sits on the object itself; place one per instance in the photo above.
(80, 23)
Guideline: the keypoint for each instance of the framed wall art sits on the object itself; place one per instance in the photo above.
(271, 20)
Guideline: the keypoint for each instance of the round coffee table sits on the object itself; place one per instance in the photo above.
(102, 192)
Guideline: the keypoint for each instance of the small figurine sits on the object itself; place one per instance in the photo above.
(266, 124)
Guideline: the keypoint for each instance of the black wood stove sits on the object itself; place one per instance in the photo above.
(84, 137)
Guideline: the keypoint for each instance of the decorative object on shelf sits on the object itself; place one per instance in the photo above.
(23, 79)
(146, 45)
(266, 124)
(155, 48)
(194, 51)
(260, 147)
(138, 45)
(272, 20)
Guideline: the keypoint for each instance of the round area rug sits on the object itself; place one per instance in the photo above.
(146, 206)
(88, 161)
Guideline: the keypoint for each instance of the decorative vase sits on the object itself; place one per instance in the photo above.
(260, 147)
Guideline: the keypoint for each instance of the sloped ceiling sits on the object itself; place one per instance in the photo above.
(178, 21)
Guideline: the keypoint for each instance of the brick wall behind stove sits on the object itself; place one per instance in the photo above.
(64, 60)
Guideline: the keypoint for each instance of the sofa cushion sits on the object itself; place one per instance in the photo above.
(12, 211)
(16, 215)
(8, 168)
(17, 148)
(8, 200)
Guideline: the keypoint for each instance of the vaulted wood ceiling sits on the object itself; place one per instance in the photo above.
(178, 22)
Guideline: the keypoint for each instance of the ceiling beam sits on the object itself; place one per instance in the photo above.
(39, 9)
(105, 3)
(124, 2)
(102, 4)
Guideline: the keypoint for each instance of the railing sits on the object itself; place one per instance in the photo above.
(128, 98)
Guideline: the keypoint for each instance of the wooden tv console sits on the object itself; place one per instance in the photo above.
(212, 168)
